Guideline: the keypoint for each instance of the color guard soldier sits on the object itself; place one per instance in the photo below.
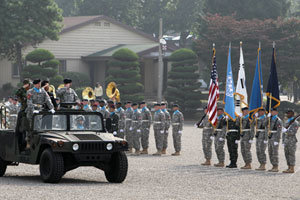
(233, 137)
(177, 128)
(220, 135)
(67, 94)
(167, 126)
(114, 121)
(136, 128)
(121, 113)
(159, 129)
(146, 123)
(128, 125)
(207, 138)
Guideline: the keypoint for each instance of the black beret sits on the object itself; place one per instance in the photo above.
(44, 83)
(66, 81)
(157, 104)
(36, 81)
(85, 100)
(26, 81)
(175, 105)
(163, 104)
(142, 103)
(245, 108)
(134, 104)
(101, 101)
(290, 111)
(128, 102)
(119, 103)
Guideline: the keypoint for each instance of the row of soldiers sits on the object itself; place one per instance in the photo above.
(267, 129)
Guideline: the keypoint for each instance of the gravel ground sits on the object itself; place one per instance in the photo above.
(163, 177)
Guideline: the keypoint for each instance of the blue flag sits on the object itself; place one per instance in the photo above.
(256, 99)
(273, 86)
(229, 93)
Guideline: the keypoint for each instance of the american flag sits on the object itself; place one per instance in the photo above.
(214, 93)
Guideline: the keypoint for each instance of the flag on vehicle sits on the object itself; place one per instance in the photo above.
(229, 91)
(273, 100)
(256, 99)
(241, 96)
(214, 93)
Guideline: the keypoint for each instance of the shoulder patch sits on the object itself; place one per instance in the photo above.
(29, 96)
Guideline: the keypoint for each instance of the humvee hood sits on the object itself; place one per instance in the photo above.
(81, 136)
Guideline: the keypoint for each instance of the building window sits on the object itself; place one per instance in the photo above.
(106, 24)
(97, 23)
(62, 66)
(15, 70)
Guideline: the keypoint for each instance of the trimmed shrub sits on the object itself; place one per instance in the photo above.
(51, 64)
(125, 55)
(78, 79)
(39, 55)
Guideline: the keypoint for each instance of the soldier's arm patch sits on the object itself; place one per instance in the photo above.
(29, 96)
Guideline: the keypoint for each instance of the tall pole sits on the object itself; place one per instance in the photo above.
(160, 64)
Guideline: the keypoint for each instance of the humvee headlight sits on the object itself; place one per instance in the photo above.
(75, 147)
(109, 146)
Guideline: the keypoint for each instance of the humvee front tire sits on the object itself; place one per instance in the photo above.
(118, 167)
(3, 166)
(51, 166)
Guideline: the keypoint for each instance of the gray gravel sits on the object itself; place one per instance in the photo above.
(163, 177)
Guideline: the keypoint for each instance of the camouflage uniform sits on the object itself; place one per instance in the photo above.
(261, 138)
(159, 129)
(290, 142)
(67, 95)
(136, 129)
(128, 126)
(121, 113)
(274, 139)
(208, 131)
(177, 127)
(22, 98)
(246, 138)
(167, 126)
(220, 134)
(146, 123)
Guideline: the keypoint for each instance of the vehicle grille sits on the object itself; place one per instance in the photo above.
(92, 147)
(87, 137)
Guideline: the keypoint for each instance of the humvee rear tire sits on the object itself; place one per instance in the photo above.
(118, 167)
(51, 166)
(3, 166)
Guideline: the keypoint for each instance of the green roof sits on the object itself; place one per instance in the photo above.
(137, 48)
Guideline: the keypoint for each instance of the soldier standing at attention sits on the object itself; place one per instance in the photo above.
(146, 123)
(233, 137)
(274, 138)
(290, 141)
(159, 129)
(67, 94)
(220, 134)
(22, 94)
(167, 126)
(177, 128)
(128, 125)
(207, 138)
(246, 137)
(103, 111)
(121, 113)
(45, 86)
(136, 128)
(114, 118)
(261, 138)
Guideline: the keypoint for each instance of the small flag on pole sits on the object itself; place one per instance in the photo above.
(229, 92)
(256, 99)
(273, 85)
(241, 96)
(213, 95)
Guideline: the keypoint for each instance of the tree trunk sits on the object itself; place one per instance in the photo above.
(19, 60)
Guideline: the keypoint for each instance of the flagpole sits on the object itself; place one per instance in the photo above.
(270, 101)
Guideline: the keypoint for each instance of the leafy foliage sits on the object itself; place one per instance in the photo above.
(39, 55)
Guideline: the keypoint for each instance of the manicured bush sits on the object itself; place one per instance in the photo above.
(78, 79)
(39, 55)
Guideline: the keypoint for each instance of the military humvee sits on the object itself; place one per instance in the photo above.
(64, 141)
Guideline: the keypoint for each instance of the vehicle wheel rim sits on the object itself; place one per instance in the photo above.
(46, 165)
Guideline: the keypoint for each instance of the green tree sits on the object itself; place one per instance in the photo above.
(124, 70)
(27, 22)
(183, 86)
(69, 7)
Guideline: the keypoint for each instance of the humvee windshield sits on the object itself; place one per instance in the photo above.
(72, 122)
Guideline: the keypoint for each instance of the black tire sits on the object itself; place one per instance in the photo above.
(3, 166)
(51, 166)
(118, 168)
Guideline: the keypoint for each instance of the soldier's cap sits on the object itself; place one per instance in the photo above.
(36, 81)
(175, 106)
(261, 109)
(119, 103)
(163, 104)
(142, 103)
(92, 100)
(101, 101)
(67, 80)
(16, 99)
(245, 108)
(157, 104)
(44, 83)
(26, 81)
(128, 102)
(134, 104)
(112, 106)
(110, 101)
(220, 108)
(290, 111)
(85, 100)
(274, 109)
(204, 107)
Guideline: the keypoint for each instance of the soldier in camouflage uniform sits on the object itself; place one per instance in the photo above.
(128, 125)
(220, 134)
(136, 128)
(22, 94)
(159, 129)
(121, 113)
(261, 138)
(67, 94)
(274, 138)
(36, 99)
(102, 109)
(207, 138)
(167, 126)
(146, 123)
(246, 137)
(290, 141)
(177, 128)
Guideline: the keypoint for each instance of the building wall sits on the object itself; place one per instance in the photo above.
(6, 73)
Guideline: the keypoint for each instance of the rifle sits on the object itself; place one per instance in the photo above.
(199, 122)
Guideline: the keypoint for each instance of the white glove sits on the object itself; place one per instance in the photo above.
(241, 115)
(237, 141)
(180, 132)
(256, 114)
(115, 133)
(195, 125)
(36, 112)
(250, 141)
(227, 117)
(121, 131)
(139, 130)
(212, 137)
(162, 132)
(276, 143)
(52, 111)
(130, 128)
(221, 139)
(265, 141)
(284, 130)
(269, 115)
